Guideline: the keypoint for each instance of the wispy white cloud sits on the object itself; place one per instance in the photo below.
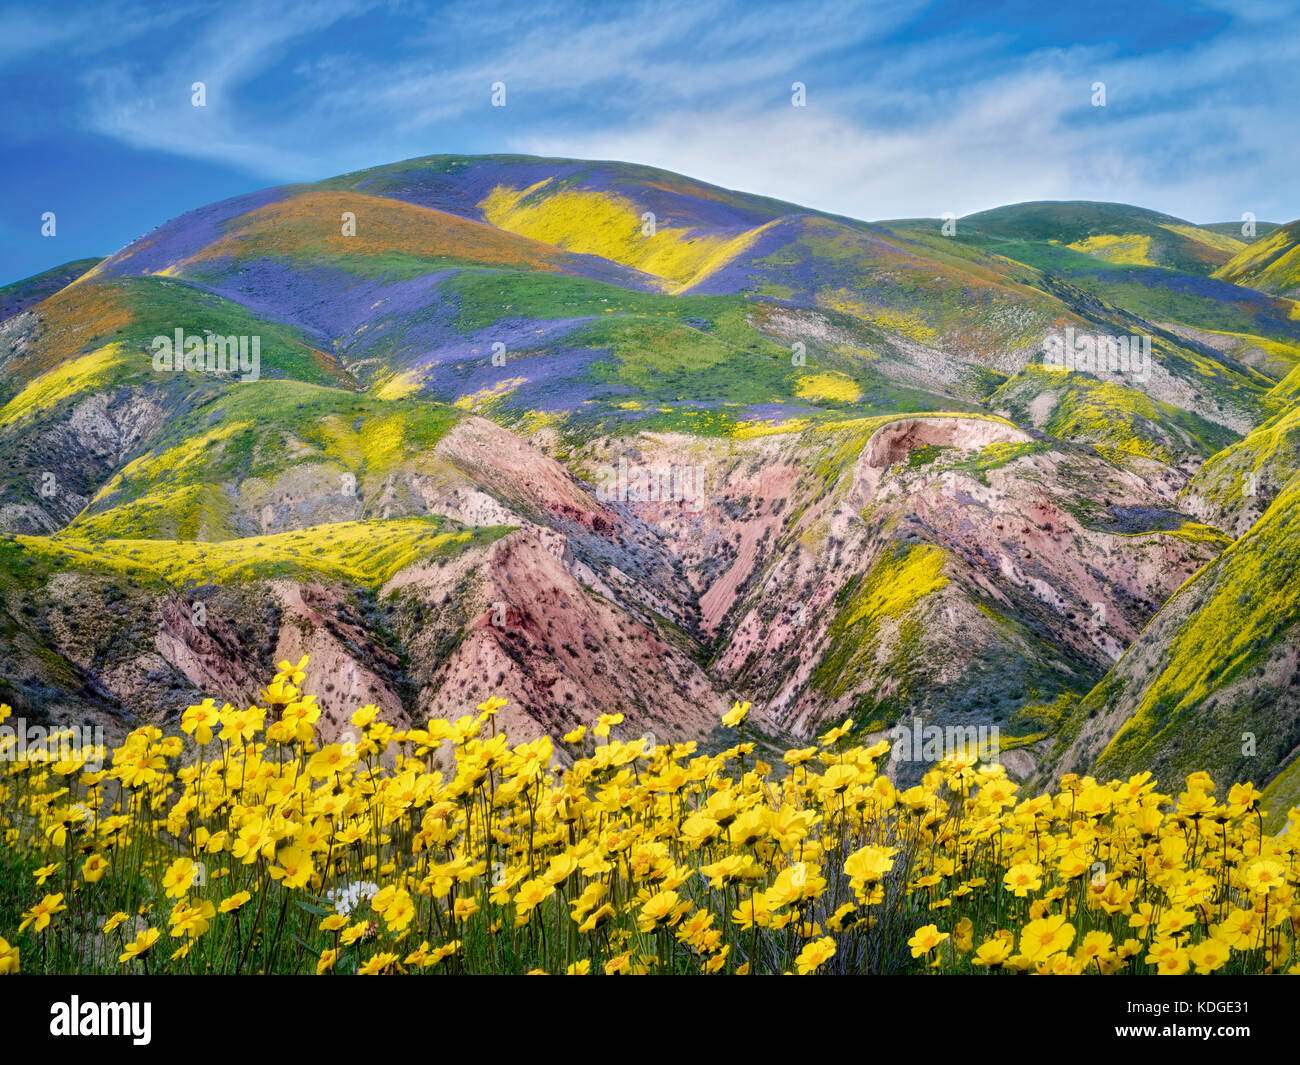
(149, 104)
(1200, 134)
(897, 123)
(27, 33)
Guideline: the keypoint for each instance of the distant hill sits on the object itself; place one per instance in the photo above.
(1113, 232)
(1271, 264)
(19, 295)
(1233, 229)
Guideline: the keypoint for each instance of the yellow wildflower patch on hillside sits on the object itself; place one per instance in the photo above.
(490, 392)
(613, 227)
(68, 378)
(1127, 248)
(1219, 241)
(829, 386)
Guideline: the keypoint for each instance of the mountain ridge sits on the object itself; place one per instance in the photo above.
(867, 405)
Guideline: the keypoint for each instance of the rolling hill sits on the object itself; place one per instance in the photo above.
(1271, 264)
(846, 479)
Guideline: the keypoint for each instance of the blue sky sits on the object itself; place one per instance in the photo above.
(912, 108)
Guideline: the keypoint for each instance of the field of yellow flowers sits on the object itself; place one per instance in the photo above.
(244, 846)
